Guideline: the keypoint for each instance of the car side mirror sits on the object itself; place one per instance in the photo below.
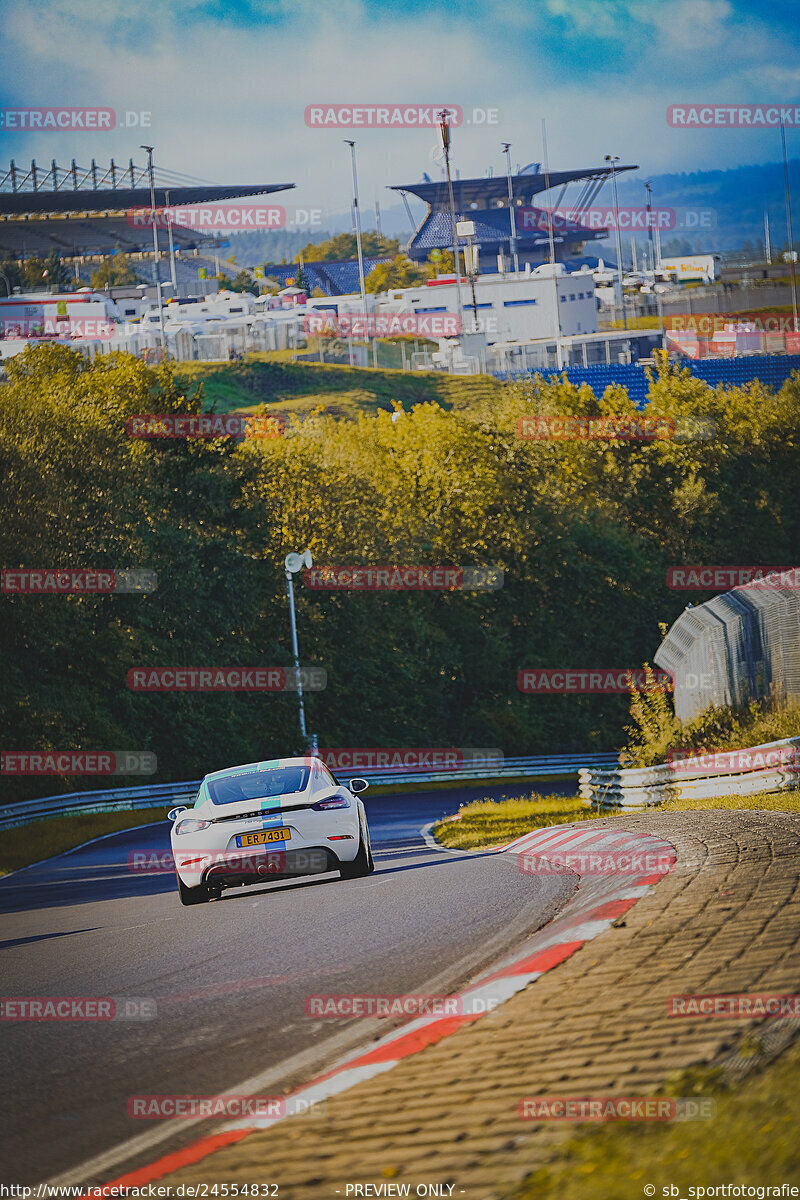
(174, 813)
(358, 785)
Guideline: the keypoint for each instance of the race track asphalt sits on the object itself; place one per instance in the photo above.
(229, 979)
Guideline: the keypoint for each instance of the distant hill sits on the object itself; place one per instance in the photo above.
(738, 196)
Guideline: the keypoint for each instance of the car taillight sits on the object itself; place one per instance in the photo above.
(331, 802)
(191, 826)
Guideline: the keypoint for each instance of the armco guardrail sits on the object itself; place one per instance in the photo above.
(169, 794)
(773, 767)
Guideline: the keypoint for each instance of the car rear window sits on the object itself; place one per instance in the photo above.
(255, 785)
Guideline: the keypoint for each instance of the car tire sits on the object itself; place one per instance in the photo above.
(196, 895)
(361, 865)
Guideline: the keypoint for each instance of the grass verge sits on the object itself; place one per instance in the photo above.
(344, 391)
(32, 843)
(495, 822)
(750, 1142)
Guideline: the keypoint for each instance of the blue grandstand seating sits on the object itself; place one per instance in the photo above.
(332, 278)
(773, 370)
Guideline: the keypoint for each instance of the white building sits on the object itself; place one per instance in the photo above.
(507, 308)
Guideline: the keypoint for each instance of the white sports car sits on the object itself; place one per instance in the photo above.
(265, 821)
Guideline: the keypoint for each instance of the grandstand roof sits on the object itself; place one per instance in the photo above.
(468, 191)
(119, 199)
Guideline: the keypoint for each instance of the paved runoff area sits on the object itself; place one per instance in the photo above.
(726, 920)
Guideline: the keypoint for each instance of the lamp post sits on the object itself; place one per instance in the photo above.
(156, 252)
(357, 214)
(172, 274)
(657, 294)
(551, 239)
(511, 213)
(792, 254)
(466, 229)
(444, 130)
(614, 159)
(293, 563)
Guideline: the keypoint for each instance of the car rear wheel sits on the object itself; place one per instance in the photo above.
(196, 895)
(362, 864)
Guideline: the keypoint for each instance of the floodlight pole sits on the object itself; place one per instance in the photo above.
(173, 276)
(614, 159)
(789, 227)
(444, 130)
(657, 294)
(156, 252)
(556, 297)
(357, 213)
(511, 213)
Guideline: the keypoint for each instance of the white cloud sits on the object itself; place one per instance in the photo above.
(228, 99)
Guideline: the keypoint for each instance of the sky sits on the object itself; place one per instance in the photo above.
(225, 86)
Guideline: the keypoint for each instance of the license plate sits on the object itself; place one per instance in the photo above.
(265, 836)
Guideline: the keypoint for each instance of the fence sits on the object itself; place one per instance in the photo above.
(562, 766)
(742, 645)
(638, 787)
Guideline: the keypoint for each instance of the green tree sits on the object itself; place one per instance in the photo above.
(243, 283)
(441, 262)
(114, 271)
(33, 277)
(401, 272)
(55, 273)
(583, 531)
(343, 247)
(13, 275)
